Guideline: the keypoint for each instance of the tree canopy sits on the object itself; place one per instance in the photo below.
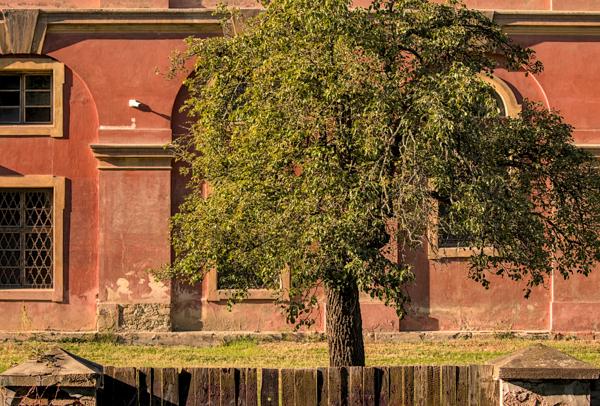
(327, 133)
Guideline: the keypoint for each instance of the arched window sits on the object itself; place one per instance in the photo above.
(507, 101)
(443, 244)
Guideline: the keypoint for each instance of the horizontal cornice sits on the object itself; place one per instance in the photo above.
(193, 21)
(132, 156)
(206, 21)
(593, 149)
(31, 26)
(547, 22)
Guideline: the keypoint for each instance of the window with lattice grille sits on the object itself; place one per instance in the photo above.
(26, 239)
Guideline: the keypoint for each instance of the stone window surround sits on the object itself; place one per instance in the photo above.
(214, 294)
(57, 184)
(38, 65)
(434, 252)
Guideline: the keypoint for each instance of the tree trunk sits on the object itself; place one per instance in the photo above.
(344, 326)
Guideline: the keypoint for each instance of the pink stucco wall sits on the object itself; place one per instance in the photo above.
(69, 157)
(117, 222)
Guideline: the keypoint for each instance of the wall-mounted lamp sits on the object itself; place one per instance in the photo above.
(134, 103)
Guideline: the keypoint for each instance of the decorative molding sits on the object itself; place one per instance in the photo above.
(511, 105)
(593, 149)
(23, 31)
(548, 22)
(205, 21)
(17, 31)
(132, 156)
(190, 21)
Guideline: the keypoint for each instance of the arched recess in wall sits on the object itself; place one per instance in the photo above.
(67, 90)
(505, 95)
(78, 93)
(186, 300)
(34, 88)
(179, 127)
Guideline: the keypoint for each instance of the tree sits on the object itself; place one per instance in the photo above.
(327, 133)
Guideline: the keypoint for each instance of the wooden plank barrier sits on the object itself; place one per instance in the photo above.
(386, 386)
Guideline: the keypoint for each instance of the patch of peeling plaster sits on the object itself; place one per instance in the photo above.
(158, 290)
(122, 291)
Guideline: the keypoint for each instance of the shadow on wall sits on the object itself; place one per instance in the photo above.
(186, 299)
(8, 172)
(419, 311)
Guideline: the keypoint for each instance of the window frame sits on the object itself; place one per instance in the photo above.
(33, 66)
(57, 184)
(434, 251)
(511, 105)
(214, 294)
(23, 91)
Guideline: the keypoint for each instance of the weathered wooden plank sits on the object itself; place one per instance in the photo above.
(200, 383)
(420, 386)
(241, 382)
(156, 396)
(305, 387)
(125, 391)
(408, 386)
(383, 382)
(488, 395)
(449, 384)
(395, 386)
(322, 387)
(228, 387)
(355, 386)
(433, 385)
(338, 386)
(287, 386)
(474, 385)
(251, 387)
(170, 389)
(462, 388)
(370, 390)
(144, 384)
(269, 391)
(496, 400)
(214, 386)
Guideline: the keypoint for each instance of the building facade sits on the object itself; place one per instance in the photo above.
(87, 187)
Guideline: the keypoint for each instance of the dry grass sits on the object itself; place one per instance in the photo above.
(290, 354)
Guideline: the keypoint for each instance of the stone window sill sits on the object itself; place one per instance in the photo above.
(41, 295)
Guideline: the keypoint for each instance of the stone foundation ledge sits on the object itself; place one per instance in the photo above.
(212, 338)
